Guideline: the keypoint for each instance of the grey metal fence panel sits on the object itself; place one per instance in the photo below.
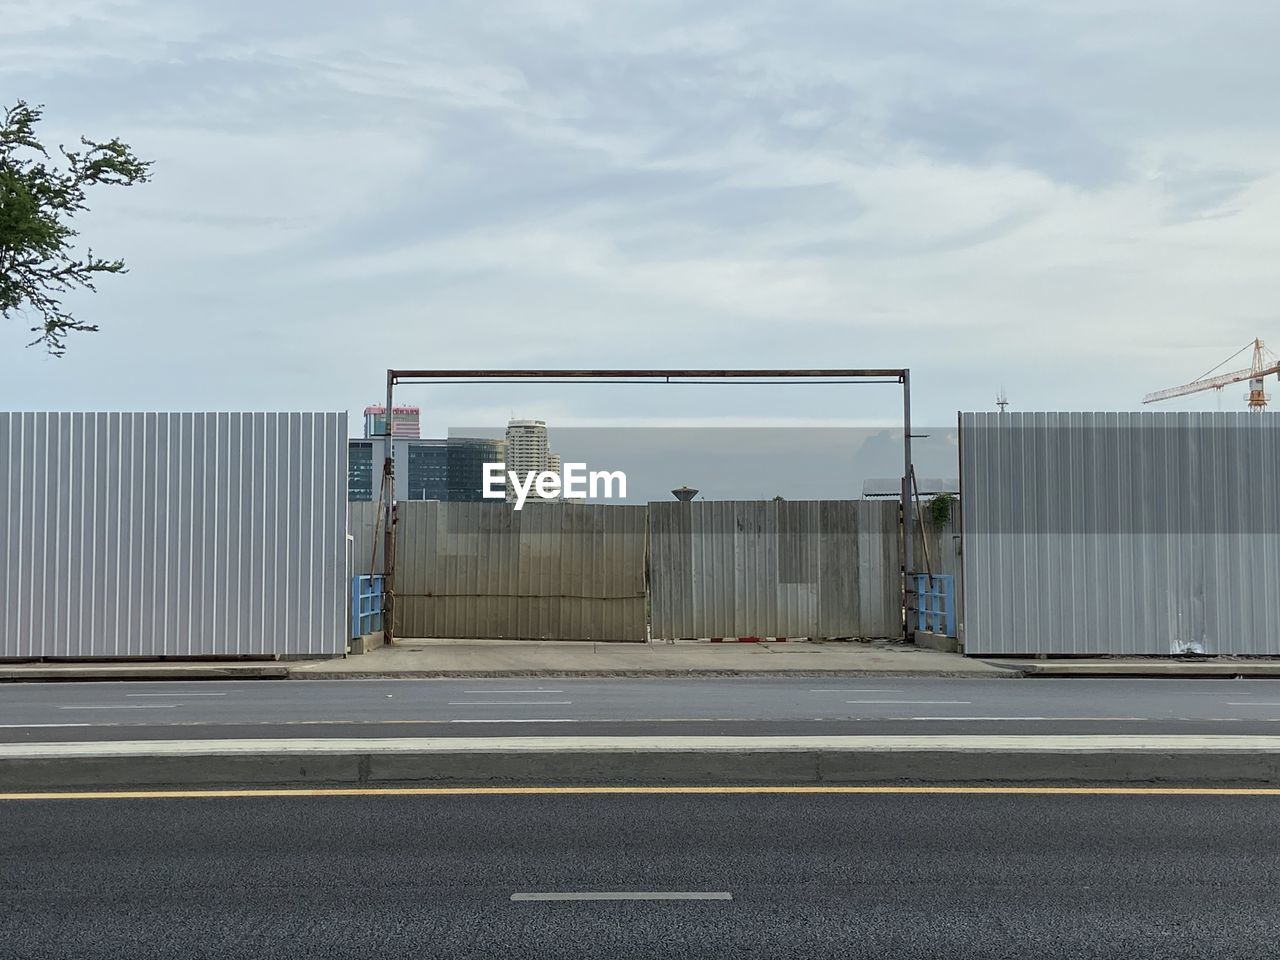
(1121, 533)
(364, 524)
(549, 571)
(172, 534)
(826, 568)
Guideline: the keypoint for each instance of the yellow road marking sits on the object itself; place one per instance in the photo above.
(579, 791)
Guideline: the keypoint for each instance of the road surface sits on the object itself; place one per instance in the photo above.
(902, 875)
(622, 707)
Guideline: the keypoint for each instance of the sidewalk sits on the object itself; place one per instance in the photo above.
(487, 658)
(1146, 667)
(563, 658)
(496, 658)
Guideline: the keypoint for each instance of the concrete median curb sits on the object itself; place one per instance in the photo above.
(76, 673)
(1144, 669)
(690, 761)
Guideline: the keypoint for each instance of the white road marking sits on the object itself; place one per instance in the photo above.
(623, 895)
(1137, 719)
(1251, 703)
(856, 691)
(523, 720)
(172, 696)
(121, 706)
(42, 726)
(509, 703)
(950, 703)
(512, 691)
(315, 746)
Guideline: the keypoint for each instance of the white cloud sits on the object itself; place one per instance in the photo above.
(1074, 200)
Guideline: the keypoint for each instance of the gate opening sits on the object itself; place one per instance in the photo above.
(858, 376)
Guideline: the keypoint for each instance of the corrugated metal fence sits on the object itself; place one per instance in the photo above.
(175, 535)
(1121, 533)
(577, 571)
(364, 524)
(549, 571)
(819, 568)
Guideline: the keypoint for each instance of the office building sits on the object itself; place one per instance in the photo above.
(467, 457)
(360, 471)
(425, 469)
(365, 460)
(406, 422)
(527, 451)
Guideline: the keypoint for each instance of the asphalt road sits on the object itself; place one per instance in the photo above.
(621, 707)
(808, 876)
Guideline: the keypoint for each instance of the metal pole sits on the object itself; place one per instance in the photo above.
(388, 540)
(908, 562)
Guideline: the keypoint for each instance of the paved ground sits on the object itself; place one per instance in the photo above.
(480, 656)
(496, 658)
(622, 707)
(902, 876)
(1145, 667)
(500, 657)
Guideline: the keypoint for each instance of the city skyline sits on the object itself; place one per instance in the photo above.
(723, 463)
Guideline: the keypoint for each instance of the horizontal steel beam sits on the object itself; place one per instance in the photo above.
(399, 376)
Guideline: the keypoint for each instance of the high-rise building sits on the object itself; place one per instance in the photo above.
(360, 470)
(554, 464)
(365, 460)
(406, 422)
(425, 469)
(527, 450)
(467, 457)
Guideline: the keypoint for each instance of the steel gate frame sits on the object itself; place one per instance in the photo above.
(863, 375)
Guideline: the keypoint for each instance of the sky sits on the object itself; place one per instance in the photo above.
(1076, 202)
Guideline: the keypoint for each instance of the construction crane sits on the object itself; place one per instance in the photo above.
(1264, 364)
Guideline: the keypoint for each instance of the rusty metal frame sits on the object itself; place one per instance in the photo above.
(867, 375)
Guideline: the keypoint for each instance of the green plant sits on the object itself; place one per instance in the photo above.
(940, 508)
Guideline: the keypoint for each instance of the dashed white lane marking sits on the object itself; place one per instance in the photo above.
(1136, 719)
(524, 720)
(42, 726)
(503, 690)
(121, 706)
(175, 696)
(876, 690)
(949, 703)
(509, 703)
(1252, 703)
(623, 895)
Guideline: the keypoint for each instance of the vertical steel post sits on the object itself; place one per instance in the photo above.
(908, 562)
(388, 538)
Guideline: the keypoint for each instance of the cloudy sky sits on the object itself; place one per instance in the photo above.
(1077, 201)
